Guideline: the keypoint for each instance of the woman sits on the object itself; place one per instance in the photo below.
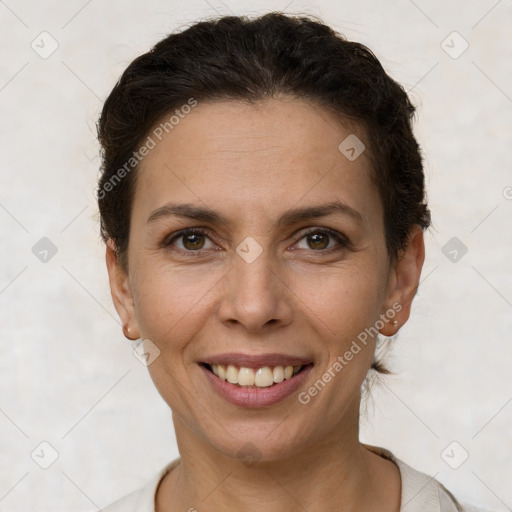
(262, 201)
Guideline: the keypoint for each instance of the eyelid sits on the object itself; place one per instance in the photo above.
(168, 240)
(340, 238)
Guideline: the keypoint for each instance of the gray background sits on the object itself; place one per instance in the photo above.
(67, 375)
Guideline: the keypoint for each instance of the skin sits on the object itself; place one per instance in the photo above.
(251, 163)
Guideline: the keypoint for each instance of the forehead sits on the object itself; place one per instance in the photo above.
(233, 128)
(262, 155)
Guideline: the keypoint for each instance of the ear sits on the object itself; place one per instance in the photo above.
(404, 280)
(121, 293)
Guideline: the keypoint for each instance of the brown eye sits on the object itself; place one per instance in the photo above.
(318, 240)
(189, 240)
(193, 241)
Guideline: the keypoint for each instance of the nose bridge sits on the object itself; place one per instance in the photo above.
(254, 275)
(253, 294)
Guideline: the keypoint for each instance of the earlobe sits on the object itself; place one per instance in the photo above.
(404, 281)
(121, 293)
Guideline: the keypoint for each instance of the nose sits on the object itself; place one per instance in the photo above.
(255, 295)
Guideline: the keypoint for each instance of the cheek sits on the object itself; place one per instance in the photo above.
(344, 300)
(168, 304)
(344, 306)
(169, 308)
(344, 310)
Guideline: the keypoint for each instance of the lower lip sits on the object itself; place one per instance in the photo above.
(256, 397)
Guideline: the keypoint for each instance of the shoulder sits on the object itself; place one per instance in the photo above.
(467, 507)
(421, 492)
(448, 502)
(143, 499)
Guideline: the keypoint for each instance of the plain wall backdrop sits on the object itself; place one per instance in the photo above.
(69, 378)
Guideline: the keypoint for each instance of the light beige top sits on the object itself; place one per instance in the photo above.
(420, 492)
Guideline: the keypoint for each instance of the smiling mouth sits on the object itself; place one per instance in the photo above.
(263, 377)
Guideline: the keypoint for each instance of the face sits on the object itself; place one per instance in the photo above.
(286, 265)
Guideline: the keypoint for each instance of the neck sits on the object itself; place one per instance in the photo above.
(334, 474)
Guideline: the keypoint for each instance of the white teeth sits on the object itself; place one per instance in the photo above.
(246, 377)
(262, 377)
(232, 374)
(278, 374)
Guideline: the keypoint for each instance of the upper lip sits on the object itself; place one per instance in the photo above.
(257, 361)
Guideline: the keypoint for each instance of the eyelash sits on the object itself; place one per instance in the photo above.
(342, 241)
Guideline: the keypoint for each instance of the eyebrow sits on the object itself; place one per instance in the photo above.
(204, 214)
